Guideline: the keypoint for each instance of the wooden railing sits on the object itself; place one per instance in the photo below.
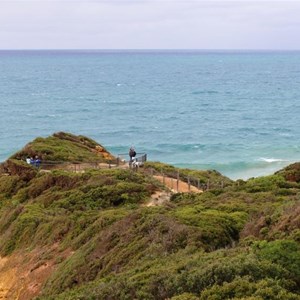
(124, 157)
(198, 183)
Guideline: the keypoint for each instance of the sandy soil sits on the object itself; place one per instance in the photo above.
(23, 274)
(158, 198)
(7, 278)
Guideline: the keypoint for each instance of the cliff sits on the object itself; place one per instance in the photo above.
(91, 235)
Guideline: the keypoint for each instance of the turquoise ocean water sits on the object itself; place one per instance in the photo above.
(236, 112)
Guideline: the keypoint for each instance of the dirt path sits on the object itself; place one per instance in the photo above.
(158, 198)
(162, 197)
(183, 187)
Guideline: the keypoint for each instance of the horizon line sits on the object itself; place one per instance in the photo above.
(150, 49)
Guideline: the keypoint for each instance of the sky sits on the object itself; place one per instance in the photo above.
(149, 24)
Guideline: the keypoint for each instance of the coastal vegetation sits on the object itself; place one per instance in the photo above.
(91, 235)
(65, 147)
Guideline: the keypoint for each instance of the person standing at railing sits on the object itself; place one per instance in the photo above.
(132, 154)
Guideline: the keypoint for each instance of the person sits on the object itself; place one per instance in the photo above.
(132, 154)
(37, 161)
(28, 160)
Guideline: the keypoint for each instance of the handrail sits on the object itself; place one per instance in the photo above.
(205, 185)
(140, 156)
(80, 166)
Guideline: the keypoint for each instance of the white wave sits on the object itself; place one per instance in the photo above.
(54, 116)
(271, 160)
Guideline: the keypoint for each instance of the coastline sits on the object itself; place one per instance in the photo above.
(198, 110)
(234, 170)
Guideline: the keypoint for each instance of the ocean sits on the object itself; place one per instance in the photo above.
(233, 111)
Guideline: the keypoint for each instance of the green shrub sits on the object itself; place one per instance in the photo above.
(285, 253)
(9, 185)
(264, 184)
(23, 228)
(242, 287)
(185, 296)
(218, 229)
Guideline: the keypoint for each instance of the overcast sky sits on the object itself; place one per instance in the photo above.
(149, 24)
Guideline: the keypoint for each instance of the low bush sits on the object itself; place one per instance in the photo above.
(245, 288)
(285, 253)
(239, 242)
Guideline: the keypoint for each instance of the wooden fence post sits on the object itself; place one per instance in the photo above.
(189, 183)
(207, 184)
(177, 181)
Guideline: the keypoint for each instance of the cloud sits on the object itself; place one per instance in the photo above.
(149, 24)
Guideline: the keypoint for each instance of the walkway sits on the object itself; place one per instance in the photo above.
(171, 183)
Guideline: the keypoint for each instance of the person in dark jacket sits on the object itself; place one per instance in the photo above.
(132, 154)
(37, 162)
